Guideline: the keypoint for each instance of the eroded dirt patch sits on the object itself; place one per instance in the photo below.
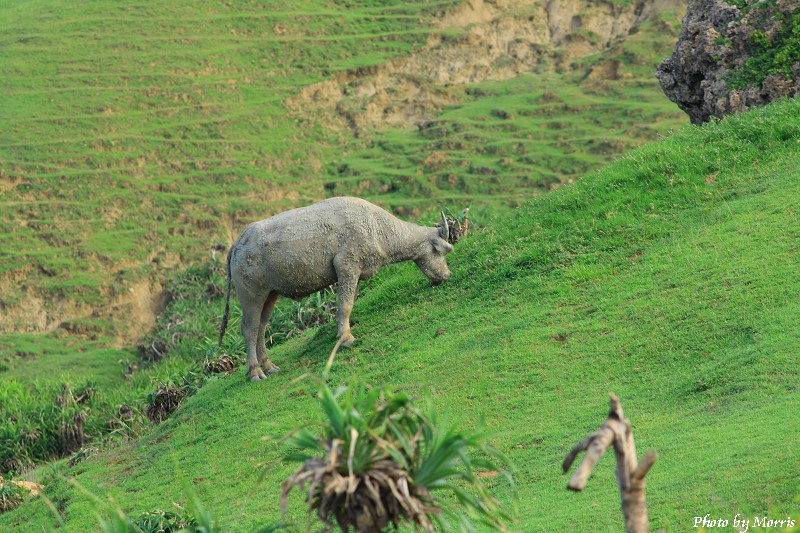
(495, 40)
(133, 314)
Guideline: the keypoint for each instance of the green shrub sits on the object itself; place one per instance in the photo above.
(775, 56)
(159, 521)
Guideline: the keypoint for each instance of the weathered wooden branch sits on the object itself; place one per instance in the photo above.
(630, 472)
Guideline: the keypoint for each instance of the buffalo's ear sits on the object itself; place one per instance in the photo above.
(442, 246)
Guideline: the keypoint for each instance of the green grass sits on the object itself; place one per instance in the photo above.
(667, 277)
(131, 131)
(508, 140)
(135, 136)
(61, 354)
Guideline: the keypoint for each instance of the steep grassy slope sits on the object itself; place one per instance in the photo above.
(668, 277)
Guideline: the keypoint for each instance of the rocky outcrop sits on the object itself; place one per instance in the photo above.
(494, 40)
(731, 58)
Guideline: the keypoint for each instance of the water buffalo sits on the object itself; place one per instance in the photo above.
(296, 253)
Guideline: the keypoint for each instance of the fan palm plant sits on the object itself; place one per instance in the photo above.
(380, 458)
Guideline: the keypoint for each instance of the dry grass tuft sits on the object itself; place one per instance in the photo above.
(369, 502)
(164, 401)
(222, 364)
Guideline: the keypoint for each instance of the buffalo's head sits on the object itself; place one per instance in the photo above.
(431, 258)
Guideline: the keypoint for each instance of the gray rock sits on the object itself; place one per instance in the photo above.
(717, 39)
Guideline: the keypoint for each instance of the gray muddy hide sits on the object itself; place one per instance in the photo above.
(296, 253)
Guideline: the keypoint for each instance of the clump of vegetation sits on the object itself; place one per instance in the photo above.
(71, 431)
(71, 428)
(224, 363)
(771, 55)
(164, 401)
(167, 398)
(378, 460)
(11, 495)
(159, 521)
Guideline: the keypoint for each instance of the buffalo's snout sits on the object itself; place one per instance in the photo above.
(441, 279)
(433, 264)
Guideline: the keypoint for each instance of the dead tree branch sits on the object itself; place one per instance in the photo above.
(630, 472)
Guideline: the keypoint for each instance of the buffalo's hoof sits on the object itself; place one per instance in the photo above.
(256, 374)
(270, 369)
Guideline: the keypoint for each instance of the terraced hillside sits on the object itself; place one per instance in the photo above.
(667, 277)
(137, 138)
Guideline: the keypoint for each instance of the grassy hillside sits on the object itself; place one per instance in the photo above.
(667, 277)
(135, 137)
(506, 140)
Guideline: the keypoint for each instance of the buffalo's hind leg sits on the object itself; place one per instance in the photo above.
(261, 348)
(255, 317)
(348, 287)
(251, 313)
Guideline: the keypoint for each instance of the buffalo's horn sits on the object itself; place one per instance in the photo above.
(444, 231)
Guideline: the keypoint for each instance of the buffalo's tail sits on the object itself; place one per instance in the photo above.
(227, 302)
